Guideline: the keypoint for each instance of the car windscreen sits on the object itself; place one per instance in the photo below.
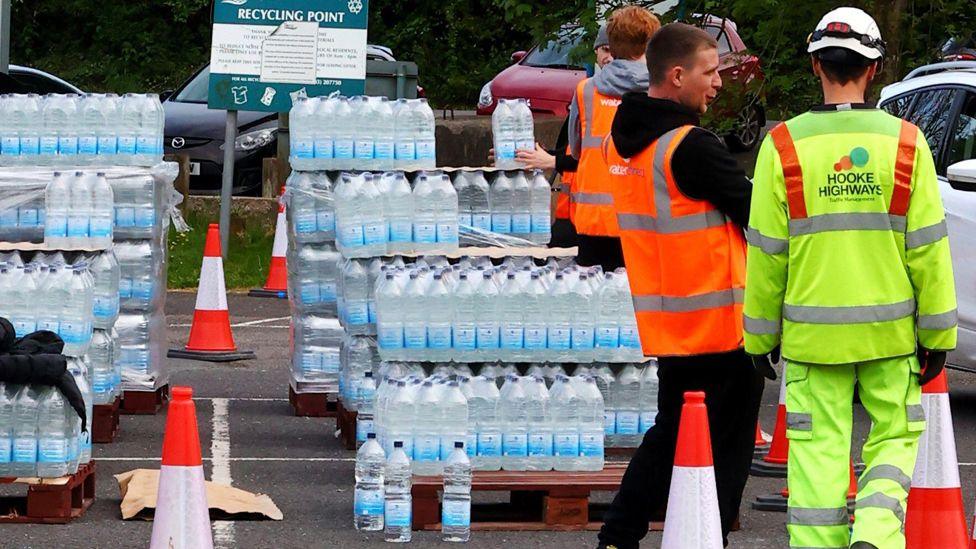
(556, 53)
(196, 90)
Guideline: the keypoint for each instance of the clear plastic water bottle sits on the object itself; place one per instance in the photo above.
(11, 122)
(502, 204)
(398, 508)
(487, 317)
(365, 128)
(630, 345)
(130, 124)
(79, 211)
(456, 506)
(565, 413)
(93, 122)
(324, 204)
(478, 200)
(52, 444)
(425, 214)
(301, 209)
(461, 183)
(29, 113)
(454, 418)
(384, 134)
(24, 453)
(540, 424)
(648, 396)
(57, 197)
(355, 291)
(503, 126)
(464, 328)
(103, 203)
(414, 317)
(514, 418)
(8, 395)
(522, 206)
(101, 354)
(344, 140)
(406, 148)
(524, 126)
(590, 425)
(107, 132)
(484, 420)
(512, 319)
(323, 109)
(398, 205)
(149, 148)
(427, 432)
(607, 336)
(541, 206)
(389, 322)
(76, 314)
(583, 326)
(368, 498)
(446, 207)
(365, 406)
(562, 304)
(626, 398)
(536, 306)
(376, 231)
(439, 310)
(81, 372)
(105, 269)
(402, 415)
(424, 136)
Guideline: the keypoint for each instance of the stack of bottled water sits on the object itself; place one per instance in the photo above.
(40, 434)
(79, 211)
(380, 214)
(516, 312)
(310, 208)
(81, 130)
(362, 133)
(515, 203)
(513, 128)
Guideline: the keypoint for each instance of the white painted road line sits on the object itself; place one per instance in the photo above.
(223, 530)
(258, 322)
(243, 459)
(246, 399)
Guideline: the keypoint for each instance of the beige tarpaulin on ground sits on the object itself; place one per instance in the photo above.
(138, 489)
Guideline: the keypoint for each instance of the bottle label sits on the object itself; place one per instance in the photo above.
(390, 337)
(88, 144)
(78, 225)
(10, 146)
(8, 218)
(376, 233)
(24, 326)
(471, 444)
(125, 217)
(540, 444)
(28, 217)
(309, 293)
(488, 445)
(72, 332)
(397, 513)
(142, 289)
(464, 219)
(426, 447)
(447, 233)
(368, 502)
(439, 337)
(49, 144)
(321, 148)
(609, 422)
(351, 235)
(608, 336)
(364, 149)
(582, 338)
(6, 446)
(127, 144)
(108, 144)
(521, 223)
(456, 513)
(629, 337)
(647, 421)
(541, 223)
(401, 230)
(357, 313)
(425, 150)
(330, 361)
(56, 226)
(327, 292)
(513, 338)
(363, 427)
(305, 222)
(343, 149)
(487, 337)
(325, 219)
(371, 310)
(415, 337)
(146, 144)
(591, 445)
(68, 145)
(125, 288)
(501, 223)
(535, 337)
(481, 221)
(406, 150)
(464, 338)
(101, 227)
(384, 150)
(50, 325)
(628, 422)
(311, 362)
(558, 338)
(25, 450)
(505, 150)
(515, 445)
(425, 233)
(567, 445)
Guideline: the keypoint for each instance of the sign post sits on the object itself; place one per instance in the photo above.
(265, 54)
(5, 35)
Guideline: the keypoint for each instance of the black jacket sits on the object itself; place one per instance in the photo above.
(564, 162)
(703, 168)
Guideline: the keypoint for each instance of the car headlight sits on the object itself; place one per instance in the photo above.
(254, 139)
(484, 98)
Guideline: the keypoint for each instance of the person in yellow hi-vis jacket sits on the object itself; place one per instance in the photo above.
(849, 275)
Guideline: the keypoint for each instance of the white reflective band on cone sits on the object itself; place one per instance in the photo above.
(182, 519)
(212, 294)
(782, 387)
(281, 237)
(692, 520)
(936, 465)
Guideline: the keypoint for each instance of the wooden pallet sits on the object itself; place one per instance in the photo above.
(540, 500)
(105, 421)
(346, 426)
(313, 404)
(144, 403)
(50, 501)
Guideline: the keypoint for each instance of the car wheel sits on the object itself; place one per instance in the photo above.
(747, 131)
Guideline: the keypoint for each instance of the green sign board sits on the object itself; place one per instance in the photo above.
(266, 53)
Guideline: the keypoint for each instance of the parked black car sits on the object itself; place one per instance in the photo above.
(27, 80)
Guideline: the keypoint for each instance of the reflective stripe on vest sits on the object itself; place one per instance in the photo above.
(592, 208)
(686, 270)
(564, 202)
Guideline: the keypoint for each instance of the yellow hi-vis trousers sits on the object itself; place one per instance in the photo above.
(819, 417)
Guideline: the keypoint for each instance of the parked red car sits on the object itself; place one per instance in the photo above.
(546, 76)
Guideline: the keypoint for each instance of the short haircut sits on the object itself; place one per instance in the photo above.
(676, 44)
(629, 29)
(841, 65)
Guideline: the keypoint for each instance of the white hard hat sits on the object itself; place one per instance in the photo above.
(851, 29)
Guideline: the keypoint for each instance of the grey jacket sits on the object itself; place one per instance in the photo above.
(620, 76)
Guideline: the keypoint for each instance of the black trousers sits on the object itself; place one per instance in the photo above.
(604, 251)
(563, 234)
(733, 391)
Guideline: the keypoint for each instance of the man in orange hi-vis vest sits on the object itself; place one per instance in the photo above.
(681, 203)
(590, 116)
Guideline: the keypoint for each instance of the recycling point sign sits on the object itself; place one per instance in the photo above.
(266, 53)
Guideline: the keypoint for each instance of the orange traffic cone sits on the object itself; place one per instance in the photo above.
(182, 518)
(773, 464)
(277, 283)
(762, 445)
(935, 516)
(210, 335)
(692, 520)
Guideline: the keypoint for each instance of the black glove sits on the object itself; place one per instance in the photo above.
(932, 363)
(764, 363)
